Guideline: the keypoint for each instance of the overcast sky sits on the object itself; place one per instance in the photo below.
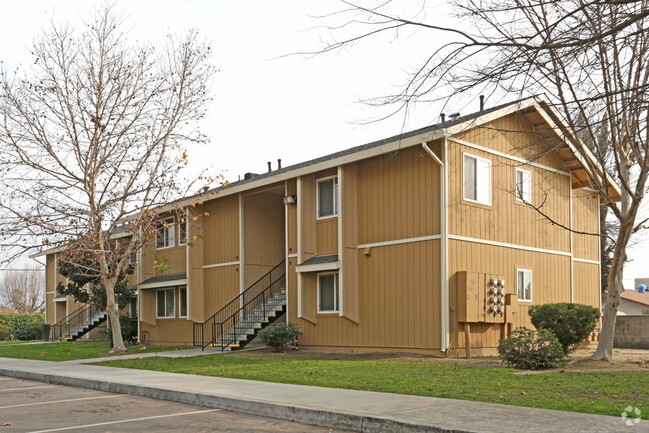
(268, 106)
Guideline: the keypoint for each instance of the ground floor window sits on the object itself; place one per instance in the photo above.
(328, 296)
(524, 285)
(166, 307)
(182, 301)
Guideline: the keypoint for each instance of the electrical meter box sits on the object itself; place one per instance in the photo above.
(481, 298)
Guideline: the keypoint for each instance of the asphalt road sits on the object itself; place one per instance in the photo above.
(27, 406)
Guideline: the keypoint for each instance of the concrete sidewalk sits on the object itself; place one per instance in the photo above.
(329, 407)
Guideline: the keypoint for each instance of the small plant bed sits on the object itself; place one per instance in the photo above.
(605, 393)
(67, 351)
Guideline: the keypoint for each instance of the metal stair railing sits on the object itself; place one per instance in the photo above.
(205, 333)
(72, 321)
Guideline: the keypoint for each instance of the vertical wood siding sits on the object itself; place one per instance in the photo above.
(507, 220)
(327, 236)
(586, 281)
(221, 237)
(398, 196)
(585, 207)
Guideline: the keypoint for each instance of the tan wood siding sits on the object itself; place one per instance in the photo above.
(398, 196)
(585, 207)
(327, 236)
(550, 283)
(148, 307)
(586, 283)
(221, 287)
(508, 220)
(399, 303)
(221, 237)
(167, 331)
(264, 240)
(196, 284)
(349, 224)
(291, 212)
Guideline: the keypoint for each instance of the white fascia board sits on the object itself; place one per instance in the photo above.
(171, 283)
(46, 252)
(320, 267)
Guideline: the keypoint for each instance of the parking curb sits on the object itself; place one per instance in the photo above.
(300, 414)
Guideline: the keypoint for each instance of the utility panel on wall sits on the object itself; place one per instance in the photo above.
(483, 298)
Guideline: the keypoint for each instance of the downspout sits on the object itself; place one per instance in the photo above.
(443, 176)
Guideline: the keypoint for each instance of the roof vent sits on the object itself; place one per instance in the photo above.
(481, 102)
(250, 176)
(269, 167)
(454, 116)
(443, 116)
(279, 164)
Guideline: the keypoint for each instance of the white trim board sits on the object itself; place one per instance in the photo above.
(161, 284)
(219, 265)
(506, 156)
(506, 245)
(592, 262)
(400, 241)
(331, 266)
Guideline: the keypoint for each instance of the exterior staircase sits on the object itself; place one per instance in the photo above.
(239, 321)
(78, 323)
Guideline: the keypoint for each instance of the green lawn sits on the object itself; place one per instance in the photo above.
(606, 393)
(3, 343)
(66, 351)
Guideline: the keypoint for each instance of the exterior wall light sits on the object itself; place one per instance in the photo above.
(290, 199)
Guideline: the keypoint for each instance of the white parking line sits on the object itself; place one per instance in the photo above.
(126, 420)
(23, 389)
(61, 401)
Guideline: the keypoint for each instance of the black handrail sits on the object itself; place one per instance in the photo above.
(78, 317)
(205, 333)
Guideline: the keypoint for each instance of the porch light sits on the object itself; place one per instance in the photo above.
(290, 199)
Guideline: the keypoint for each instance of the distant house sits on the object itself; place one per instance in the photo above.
(423, 242)
(633, 303)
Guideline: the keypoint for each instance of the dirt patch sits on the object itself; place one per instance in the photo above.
(624, 359)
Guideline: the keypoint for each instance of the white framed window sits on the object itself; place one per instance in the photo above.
(166, 304)
(165, 235)
(328, 296)
(523, 185)
(524, 285)
(182, 301)
(477, 179)
(182, 231)
(328, 197)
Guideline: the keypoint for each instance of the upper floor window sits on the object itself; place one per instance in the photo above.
(523, 185)
(165, 236)
(328, 197)
(524, 285)
(328, 296)
(477, 179)
(182, 231)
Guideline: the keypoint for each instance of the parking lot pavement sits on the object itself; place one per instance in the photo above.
(27, 406)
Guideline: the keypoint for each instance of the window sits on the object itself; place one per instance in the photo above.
(182, 231)
(523, 188)
(477, 179)
(133, 307)
(182, 301)
(328, 293)
(524, 285)
(133, 258)
(165, 237)
(328, 197)
(166, 306)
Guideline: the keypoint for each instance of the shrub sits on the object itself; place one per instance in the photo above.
(570, 323)
(531, 350)
(16, 321)
(27, 333)
(278, 335)
(45, 331)
(5, 331)
(128, 323)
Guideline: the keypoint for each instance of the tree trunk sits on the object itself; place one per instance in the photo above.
(607, 332)
(113, 315)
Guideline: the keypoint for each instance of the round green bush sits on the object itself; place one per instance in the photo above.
(5, 331)
(27, 333)
(570, 323)
(278, 335)
(527, 349)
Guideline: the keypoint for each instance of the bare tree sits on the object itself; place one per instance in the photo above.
(23, 290)
(590, 58)
(93, 138)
